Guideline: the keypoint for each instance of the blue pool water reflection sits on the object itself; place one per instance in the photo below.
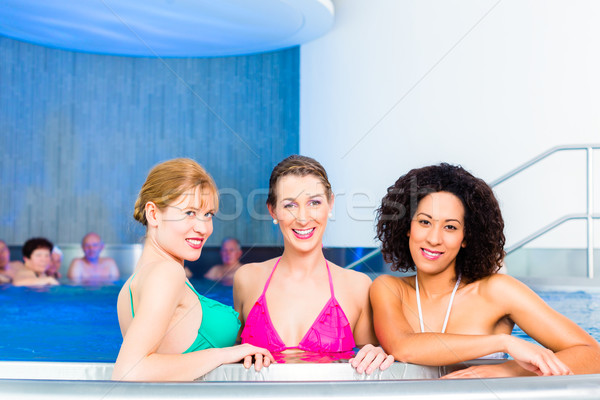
(78, 323)
(69, 323)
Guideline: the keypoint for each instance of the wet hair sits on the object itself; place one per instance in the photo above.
(299, 166)
(169, 180)
(484, 237)
(33, 244)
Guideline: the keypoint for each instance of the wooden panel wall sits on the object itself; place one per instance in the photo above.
(79, 133)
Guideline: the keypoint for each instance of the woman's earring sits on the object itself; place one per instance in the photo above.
(275, 222)
(330, 215)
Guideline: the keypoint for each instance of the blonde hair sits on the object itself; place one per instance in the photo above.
(169, 180)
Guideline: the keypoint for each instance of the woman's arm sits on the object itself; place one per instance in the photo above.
(363, 329)
(579, 352)
(243, 281)
(26, 277)
(370, 356)
(138, 360)
(571, 344)
(398, 338)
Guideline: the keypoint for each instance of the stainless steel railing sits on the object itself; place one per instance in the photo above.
(589, 216)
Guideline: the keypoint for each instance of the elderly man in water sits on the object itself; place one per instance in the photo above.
(231, 252)
(92, 267)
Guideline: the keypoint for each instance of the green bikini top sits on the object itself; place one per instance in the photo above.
(219, 327)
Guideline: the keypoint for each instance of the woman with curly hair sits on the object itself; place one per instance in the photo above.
(446, 225)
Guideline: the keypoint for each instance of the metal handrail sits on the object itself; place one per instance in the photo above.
(546, 229)
(539, 158)
(588, 216)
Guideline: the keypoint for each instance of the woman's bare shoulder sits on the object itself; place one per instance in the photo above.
(254, 272)
(165, 274)
(350, 276)
(396, 280)
(502, 288)
(393, 283)
(500, 282)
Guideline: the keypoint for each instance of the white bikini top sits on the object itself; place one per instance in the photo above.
(449, 304)
(499, 355)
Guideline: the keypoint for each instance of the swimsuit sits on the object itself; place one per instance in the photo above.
(330, 332)
(489, 356)
(219, 327)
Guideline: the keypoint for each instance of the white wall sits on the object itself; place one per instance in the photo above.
(485, 84)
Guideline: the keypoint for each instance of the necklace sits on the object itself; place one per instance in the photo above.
(449, 304)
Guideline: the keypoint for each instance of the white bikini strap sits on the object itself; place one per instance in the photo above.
(449, 304)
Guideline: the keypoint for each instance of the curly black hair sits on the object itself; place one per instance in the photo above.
(484, 225)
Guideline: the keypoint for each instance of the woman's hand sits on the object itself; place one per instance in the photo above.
(536, 359)
(528, 356)
(246, 352)
(369, 358)
(503, 370)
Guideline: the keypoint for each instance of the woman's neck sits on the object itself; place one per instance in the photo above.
(154, 252)
(438, 284)
(302, 261)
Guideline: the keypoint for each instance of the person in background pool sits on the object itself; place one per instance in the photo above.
(8, 268)
(446, 224)
(92, 267)
(170, 332)
(36, 256)
(231, 251)
(55, 262)
(300, 305)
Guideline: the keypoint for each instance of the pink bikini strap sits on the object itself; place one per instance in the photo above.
(270, 276)
(330, 279)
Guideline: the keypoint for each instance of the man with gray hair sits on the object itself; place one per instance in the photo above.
(92, 267)
(231, 251)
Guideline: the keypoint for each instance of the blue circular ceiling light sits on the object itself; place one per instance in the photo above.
(166, 28)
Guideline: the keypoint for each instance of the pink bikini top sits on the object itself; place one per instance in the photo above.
(331, 331)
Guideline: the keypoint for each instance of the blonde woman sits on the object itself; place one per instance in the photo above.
(170, 332)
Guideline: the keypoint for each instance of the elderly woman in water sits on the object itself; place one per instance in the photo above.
(446, 225)
(170, 331)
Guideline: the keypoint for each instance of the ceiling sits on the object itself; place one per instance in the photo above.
(166, 28)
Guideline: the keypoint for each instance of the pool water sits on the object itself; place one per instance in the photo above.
(69, 323)
(79, 323)
(583, 308)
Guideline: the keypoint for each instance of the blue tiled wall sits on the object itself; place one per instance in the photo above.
(79, 133)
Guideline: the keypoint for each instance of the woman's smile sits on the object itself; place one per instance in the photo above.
(304, 233)
(430, 254)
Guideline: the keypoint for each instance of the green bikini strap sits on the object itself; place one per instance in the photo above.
(131, 296)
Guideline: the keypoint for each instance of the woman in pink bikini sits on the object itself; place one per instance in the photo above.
(300, 305)
(446, 225)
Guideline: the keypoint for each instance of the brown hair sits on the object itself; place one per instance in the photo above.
(169, 180)
(299, 166)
